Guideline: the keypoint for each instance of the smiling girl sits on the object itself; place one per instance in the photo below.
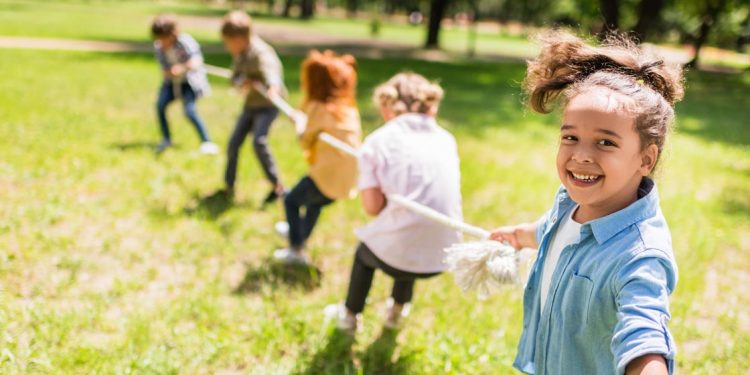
(597, 298)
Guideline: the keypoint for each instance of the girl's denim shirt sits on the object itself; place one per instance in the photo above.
(608, 302)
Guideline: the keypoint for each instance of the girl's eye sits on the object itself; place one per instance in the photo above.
(606, 142)
(570, 138)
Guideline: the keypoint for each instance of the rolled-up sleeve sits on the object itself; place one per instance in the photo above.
(368, 165)
(642, 287)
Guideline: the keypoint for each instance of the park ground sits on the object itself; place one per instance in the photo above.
(113, 260)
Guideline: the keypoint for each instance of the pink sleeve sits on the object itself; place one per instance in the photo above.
(368, 166)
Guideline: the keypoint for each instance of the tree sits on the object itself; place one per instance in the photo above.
(437, 11)
(712, 11)
(287, 8)
(649, 15)
(611, 14)
(307, 9)
(351, 7)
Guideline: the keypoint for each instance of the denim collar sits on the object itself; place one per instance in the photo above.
(608, 226)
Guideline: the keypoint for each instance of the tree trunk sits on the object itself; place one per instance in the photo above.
(471, 45)
(611, 15)
(308, 9)
(709, 19)
(437, 11)
(744, 37)
(351, 8)
(649, 15)
(390, 7)
(287, 8)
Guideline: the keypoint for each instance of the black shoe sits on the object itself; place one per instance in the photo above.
(271, 197)
(163, 146)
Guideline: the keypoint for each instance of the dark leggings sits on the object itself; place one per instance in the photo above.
(304, 194)
(166, 96)
(363, 270)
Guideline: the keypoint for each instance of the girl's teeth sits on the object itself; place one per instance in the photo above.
(584, 177)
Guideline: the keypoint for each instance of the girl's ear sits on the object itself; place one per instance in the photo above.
(648, 159)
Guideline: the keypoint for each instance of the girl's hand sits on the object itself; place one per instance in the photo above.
(518, 236)
(300, 122)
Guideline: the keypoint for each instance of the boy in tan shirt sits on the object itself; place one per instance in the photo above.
(254, 61)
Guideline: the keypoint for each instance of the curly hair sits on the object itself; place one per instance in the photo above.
(567, 66)
(408, 92)
(329, 78)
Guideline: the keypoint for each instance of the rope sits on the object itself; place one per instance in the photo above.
(483, 265)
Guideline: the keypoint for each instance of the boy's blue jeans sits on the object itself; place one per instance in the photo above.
(166, 96)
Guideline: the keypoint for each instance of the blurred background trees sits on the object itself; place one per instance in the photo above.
(697, 23)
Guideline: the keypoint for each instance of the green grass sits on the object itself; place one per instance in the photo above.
(115, 261)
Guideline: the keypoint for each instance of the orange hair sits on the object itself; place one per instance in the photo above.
(329, 78)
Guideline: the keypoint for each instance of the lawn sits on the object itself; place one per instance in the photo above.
(115, 261)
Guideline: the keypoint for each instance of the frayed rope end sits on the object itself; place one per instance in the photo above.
(484, 265)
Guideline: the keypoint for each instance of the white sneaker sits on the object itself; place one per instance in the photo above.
(282, 229)
(344, 321)
(394, 313)
(289, 256)
(209, 148)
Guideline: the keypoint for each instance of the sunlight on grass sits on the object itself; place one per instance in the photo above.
(113, 260)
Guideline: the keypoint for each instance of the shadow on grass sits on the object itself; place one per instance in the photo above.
(271, 274)
(133, 146)
(378, 358)
(736, 201)
(337, 357)
(211, 206)
(716, 103)
(333, 358)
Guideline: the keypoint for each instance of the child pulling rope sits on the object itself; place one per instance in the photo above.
(483, 265)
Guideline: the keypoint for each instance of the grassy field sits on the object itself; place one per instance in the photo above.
(115, 261)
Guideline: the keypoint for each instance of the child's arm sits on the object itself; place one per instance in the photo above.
(272, 71)
(193, 50)
(649, 364)
(519, 236)
(641, 339)
(373, 200)
(370, 161)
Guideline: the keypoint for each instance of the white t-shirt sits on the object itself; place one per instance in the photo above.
(412, 156)
(568, 232)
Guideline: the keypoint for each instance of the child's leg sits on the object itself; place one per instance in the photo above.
(360, 281)
(166, 96)
(188, 102)
(293, 202)
(262, 121)
(241, 130)
(305, 193)
(403, 290)
(312, 210)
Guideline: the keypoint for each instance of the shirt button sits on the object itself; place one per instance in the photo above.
(554, 219)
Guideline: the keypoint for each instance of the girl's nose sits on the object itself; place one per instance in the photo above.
(582, 155)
